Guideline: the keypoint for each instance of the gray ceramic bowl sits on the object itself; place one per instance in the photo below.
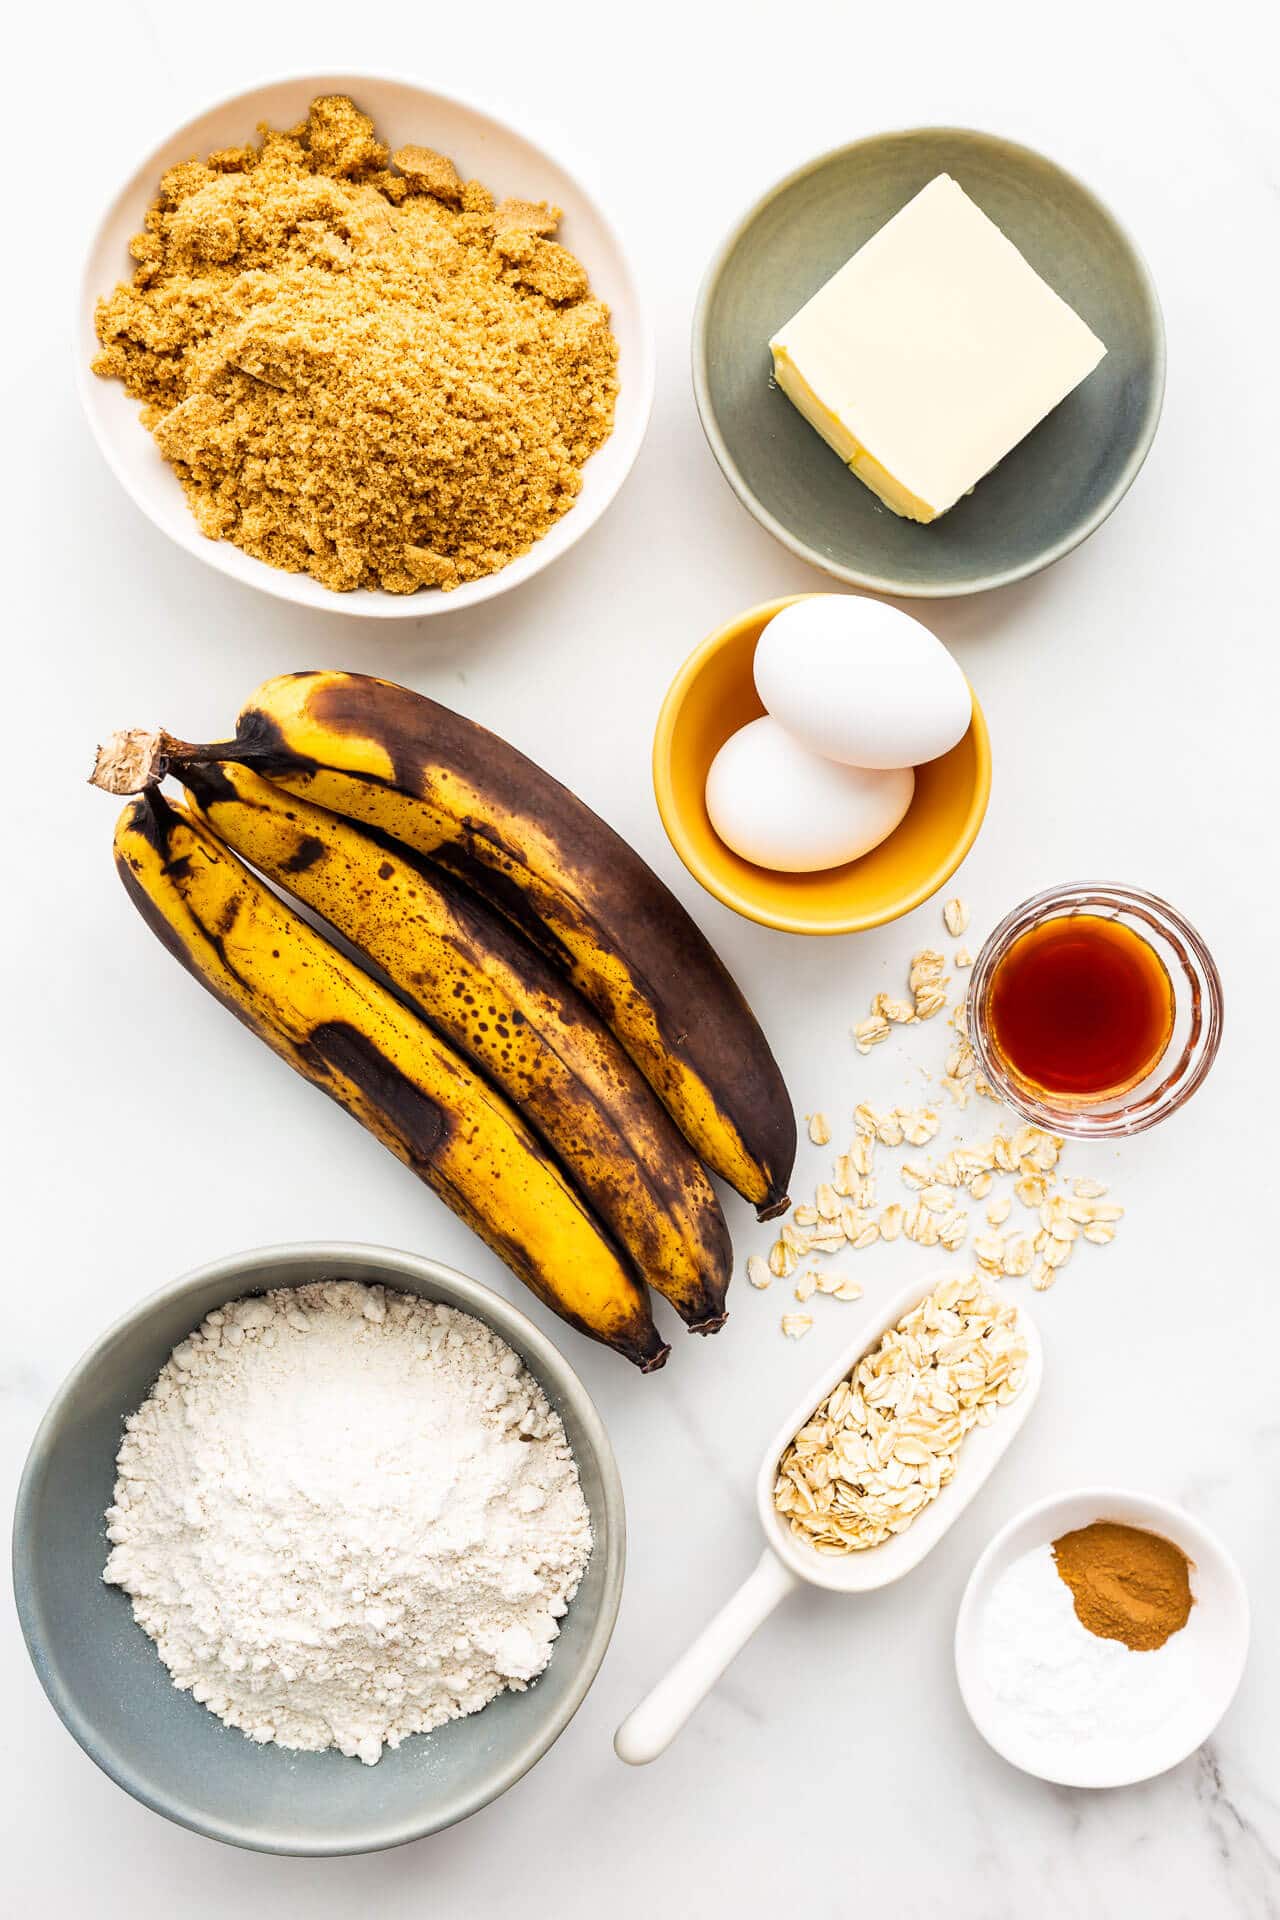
(103, 1674)
(1049, 493)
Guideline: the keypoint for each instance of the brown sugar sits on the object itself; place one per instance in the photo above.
(526, 216)
(361, 369)
(430, 172)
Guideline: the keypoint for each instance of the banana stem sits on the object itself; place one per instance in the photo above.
(139, 758)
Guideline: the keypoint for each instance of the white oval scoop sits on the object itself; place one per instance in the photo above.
(787, 1559)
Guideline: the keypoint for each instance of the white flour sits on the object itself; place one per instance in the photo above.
(1062, 1684)
(346, 1515)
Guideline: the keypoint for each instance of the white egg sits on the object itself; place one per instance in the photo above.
(782, 807)
(861, 682)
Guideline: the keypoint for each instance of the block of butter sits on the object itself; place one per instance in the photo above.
(931, 353)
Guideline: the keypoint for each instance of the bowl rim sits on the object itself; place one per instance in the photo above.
(370, 602)
(723, 890)
(1196, 1538)
(883, 583)
(457, 1289)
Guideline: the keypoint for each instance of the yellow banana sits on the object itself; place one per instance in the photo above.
(498, 1002)
(349, 1036)
(445, 787)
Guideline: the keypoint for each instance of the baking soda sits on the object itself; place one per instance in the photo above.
(1059, 1683)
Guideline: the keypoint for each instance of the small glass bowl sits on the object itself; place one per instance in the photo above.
(1197, 1019)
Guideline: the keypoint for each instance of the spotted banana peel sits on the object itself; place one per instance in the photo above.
(352, 1038)
(495, 999)
(445, 787)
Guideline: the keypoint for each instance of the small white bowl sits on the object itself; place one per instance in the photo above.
(1216, 1637)
(482, 147)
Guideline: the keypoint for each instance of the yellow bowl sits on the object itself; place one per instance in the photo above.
(712, 696)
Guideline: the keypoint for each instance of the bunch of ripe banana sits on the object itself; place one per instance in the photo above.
(558, 1050)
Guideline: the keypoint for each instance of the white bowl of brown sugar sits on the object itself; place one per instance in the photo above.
(363, 346)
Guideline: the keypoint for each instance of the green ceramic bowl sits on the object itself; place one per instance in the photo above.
(106, 1680)
(1049, 493)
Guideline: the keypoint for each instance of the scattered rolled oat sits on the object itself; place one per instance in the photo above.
(923, 1227)
(796, 1325)
(1024, 1159)
(758, 1271)
(852, 1217)
(930, 1000)
(963, 957)
(819, 1131)
(868, 1033)
(782, 1260)
(926, 969)
(829, 1242)
(862, 1154)
(956, 917)
(884, 1442)
(900, 1012)
(1018, 1257)
(952, 1232)
(960, 1061)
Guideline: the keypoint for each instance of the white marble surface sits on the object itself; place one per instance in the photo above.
(1131, 698)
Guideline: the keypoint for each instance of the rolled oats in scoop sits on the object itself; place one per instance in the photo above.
(359, 365)
(884, 1442)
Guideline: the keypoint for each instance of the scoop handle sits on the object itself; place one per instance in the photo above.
(654, 1724)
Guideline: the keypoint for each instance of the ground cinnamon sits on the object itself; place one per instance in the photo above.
(1127, 1584)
